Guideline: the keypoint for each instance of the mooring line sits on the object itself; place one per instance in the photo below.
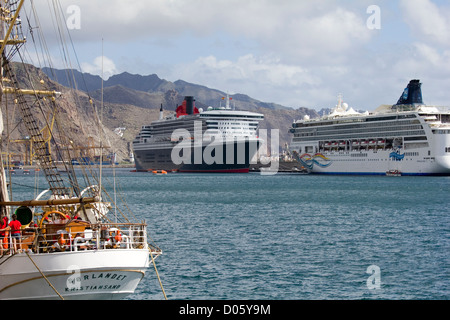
(43, 275)
(157, 274)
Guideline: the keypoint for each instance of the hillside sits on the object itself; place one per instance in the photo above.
(76, 115)
(131, 101)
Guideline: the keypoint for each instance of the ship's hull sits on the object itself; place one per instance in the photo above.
(227, 157)
(381, 162)
(92, 274)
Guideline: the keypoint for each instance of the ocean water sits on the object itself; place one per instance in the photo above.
(292, 237)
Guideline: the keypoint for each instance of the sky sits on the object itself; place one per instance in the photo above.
(297, 53)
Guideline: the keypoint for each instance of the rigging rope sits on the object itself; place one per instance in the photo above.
(43, 275)
(157, 274)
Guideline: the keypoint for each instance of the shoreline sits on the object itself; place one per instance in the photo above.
(283, 166)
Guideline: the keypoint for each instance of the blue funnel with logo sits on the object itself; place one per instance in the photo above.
(412, 95)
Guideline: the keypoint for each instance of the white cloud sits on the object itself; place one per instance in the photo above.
(289, 27)
(261, 77)
(430, 56)
(430, 64)
(296, 53)
(100, 66)
(430, 22)
(326, 36)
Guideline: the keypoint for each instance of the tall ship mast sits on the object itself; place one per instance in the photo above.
(65, 243)
(407, 138)
(216, 140)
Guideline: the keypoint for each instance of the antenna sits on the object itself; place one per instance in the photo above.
(101, 136)
(339, 105)
(227, 103)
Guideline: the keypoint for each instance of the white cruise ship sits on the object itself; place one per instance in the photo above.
(217, 140)
(408, 138)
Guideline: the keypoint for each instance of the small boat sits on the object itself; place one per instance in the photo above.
(301, 170)
(393, 173)
(159, 172)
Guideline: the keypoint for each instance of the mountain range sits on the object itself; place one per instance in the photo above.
(130, 101)
(150, 84)
(126, 94)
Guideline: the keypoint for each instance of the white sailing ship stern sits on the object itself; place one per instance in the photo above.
(98, 268)
(64, 247)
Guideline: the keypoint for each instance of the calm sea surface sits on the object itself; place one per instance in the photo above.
(287, 236)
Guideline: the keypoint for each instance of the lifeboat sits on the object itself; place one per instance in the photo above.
(159, 172)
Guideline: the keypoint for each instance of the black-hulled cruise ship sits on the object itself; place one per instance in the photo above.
(216, 140)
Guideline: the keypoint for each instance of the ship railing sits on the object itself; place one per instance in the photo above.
(58, 238)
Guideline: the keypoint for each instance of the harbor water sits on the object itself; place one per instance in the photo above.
(290, 236)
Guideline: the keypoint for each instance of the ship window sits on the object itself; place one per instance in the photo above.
(415, 138)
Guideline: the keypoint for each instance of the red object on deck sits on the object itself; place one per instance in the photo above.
(183, 110)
